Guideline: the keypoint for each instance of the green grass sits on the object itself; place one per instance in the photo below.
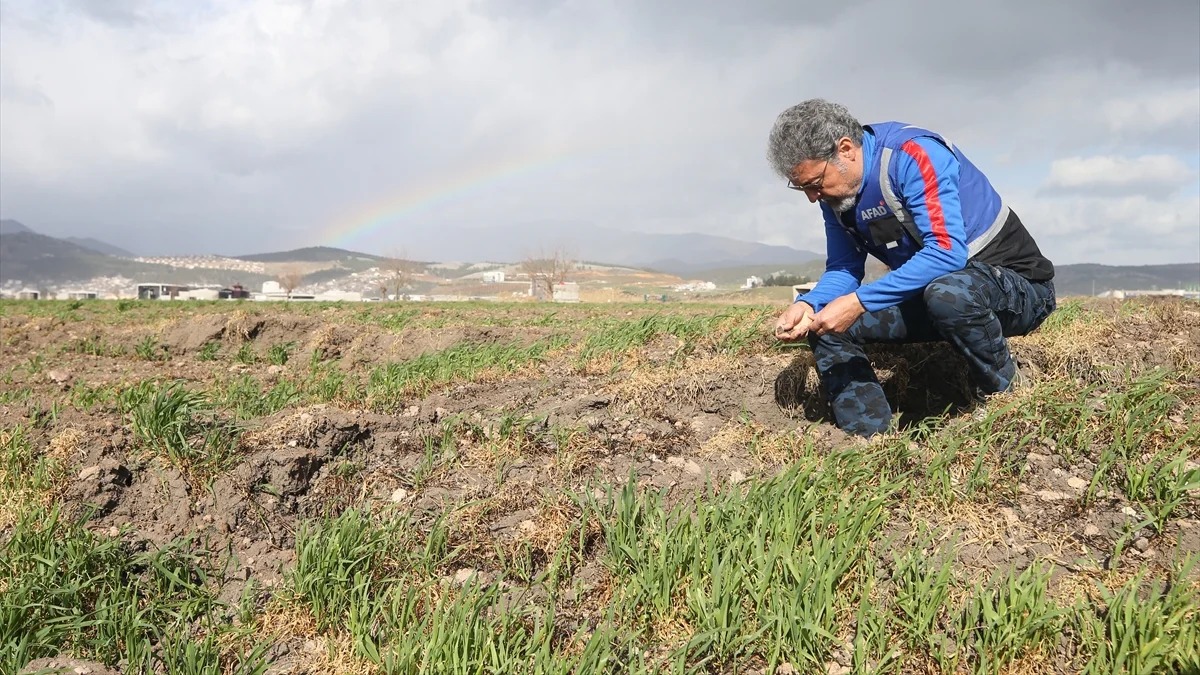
(67, 589)
(390, 386)
(182, 426)
(728, 331)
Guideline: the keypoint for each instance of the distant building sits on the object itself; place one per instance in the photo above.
(566, 292)
(752, 282)
(340, 296)
(160, 291)
(28, 294)
(493, 277)
(797, 289)
(79, 295)
(235, 292)
(200, 294)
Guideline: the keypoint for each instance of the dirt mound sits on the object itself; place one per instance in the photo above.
(191, 334)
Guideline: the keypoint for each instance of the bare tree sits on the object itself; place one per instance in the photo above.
(547, 269)
(290, 279)
(399, 272)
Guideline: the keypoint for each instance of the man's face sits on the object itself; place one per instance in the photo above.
(835, 182)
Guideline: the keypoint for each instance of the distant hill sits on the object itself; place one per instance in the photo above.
(1081, 279)
(312, 254)
(12, 227)
(100, 246)
(682, 254)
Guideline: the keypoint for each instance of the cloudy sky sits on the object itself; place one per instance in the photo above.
(235, 126)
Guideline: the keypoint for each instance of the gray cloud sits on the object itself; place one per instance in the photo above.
(235, 126)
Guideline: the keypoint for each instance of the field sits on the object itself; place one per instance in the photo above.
(598, 488)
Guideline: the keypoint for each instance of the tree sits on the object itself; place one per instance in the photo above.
(290, 279)
(398, 274)
(546, 270)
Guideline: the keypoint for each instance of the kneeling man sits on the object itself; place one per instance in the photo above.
(963, 268)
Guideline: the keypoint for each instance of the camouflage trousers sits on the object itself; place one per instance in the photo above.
(974, 309)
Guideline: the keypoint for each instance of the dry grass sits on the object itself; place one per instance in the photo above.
(649, 390)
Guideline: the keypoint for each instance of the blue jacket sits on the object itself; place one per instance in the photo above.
(923, 210)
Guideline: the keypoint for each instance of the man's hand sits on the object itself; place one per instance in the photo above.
(838, 316)
(794, 323)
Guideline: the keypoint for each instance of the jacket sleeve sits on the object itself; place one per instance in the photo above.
(844, 263)
(925, 176)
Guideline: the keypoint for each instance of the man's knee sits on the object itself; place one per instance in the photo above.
(951, 295)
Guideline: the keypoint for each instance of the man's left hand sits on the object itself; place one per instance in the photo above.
(837, 316)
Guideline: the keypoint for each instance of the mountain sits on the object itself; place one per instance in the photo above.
(1083, 279)
(100, 246)
(33, 258)
(12, 227)
(683, 254)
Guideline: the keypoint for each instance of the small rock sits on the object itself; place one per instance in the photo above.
(1142, 544)
(736, 477)
(399, 495)
(1009, 515)
(786, 669)
(693, 468)
(412, 411)
(305, 418)
(440, 413)
(58, 376)
(834, 668)
(1052, 496)
(1038, 459)
(1076, 483)
(114, 531)
(675, 461)
(1090, 530)
(639, 437)
(276, 369)
(89, 472)
(1128, 510)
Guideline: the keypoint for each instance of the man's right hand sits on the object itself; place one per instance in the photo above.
(793, 324)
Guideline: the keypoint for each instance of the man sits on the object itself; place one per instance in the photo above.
(962, 266)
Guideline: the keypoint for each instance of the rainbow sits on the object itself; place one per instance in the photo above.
(435, 190)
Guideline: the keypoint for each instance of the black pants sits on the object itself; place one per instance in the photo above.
(974, 309)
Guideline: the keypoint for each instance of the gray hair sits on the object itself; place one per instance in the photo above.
(808, 131)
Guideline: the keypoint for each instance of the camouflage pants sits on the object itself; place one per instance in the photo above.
(974, 309)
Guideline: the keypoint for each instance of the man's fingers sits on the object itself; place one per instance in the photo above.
(817, 325)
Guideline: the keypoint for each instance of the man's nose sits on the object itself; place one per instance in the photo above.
(812, 195)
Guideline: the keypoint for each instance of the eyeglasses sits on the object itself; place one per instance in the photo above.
(815, 185)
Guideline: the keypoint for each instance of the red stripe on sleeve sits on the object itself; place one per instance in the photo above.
(932, 203)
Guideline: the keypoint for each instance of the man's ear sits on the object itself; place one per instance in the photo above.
(845, 148)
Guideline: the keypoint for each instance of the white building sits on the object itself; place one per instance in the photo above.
(493, 277)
